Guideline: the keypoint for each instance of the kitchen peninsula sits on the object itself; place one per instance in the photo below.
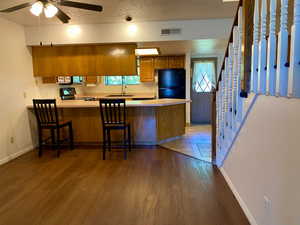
(152, 121)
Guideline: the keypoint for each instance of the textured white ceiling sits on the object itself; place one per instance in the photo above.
(140, 10)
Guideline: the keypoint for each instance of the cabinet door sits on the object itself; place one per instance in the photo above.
(45, 61)
(161, 62)
(176, 62)
(119, 60)
(147, 69)
(85, 60)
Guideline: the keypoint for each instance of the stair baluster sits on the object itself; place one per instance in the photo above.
(262, 56)
(294, 73)
(282, 59)
(272, 43)
(254, 66)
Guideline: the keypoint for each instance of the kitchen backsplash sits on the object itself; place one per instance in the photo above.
(52, 90)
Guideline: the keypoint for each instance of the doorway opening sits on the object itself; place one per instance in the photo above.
(197, 141)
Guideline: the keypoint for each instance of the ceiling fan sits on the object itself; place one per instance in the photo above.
(50, 8)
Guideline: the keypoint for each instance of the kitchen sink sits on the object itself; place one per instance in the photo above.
(119, 95)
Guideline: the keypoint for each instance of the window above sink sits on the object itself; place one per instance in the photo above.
(119, 80)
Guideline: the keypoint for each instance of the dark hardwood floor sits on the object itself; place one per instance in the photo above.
(153, 187)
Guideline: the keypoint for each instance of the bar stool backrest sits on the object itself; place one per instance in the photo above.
(45, 111)
(113, 111)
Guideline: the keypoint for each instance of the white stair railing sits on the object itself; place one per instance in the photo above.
(274, 71)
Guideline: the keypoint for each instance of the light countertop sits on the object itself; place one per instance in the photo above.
(129, 103)
(128, 95)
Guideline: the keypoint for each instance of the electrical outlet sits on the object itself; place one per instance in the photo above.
(12, 140)
(25, 94)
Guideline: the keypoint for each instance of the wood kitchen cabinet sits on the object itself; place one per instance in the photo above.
(118, 60)
(147, 69)
(176, 62)
(84, 60)
(149, 64)
(161, 62)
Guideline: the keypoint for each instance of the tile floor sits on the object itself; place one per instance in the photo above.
(195, 143)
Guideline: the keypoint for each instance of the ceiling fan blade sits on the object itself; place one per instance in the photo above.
(17, 7)
(80, 5)
(62, 16)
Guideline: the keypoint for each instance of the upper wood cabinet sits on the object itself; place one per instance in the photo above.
(176, 62)
(149, 64)
(117, 60)
(84, 60)
(161, 62)
(147, 69)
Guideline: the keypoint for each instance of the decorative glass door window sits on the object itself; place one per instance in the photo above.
(204, 75)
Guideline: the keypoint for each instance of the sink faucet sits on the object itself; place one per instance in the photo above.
(124, 86)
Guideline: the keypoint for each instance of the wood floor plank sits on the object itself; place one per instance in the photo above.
(153, 187)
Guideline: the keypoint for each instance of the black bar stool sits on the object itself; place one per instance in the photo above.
(47, 118)
(113, 116)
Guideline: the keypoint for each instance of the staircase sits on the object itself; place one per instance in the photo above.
(260, 60)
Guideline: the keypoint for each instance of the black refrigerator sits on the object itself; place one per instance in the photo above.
(171, 83)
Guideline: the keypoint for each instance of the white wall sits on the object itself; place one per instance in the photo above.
(264, 161)
(16, 83)
(121, 32)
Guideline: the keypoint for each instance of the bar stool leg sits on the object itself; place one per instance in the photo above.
(125, 143)
(104, 144)
(53, 138)
(109, 140)
(129, 138)
(71, 136)
(40, 142)
(57, 142)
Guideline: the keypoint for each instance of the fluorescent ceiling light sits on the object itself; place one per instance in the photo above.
(146, 51)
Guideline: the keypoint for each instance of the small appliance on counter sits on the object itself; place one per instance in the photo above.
(171, 83)
(67, 93)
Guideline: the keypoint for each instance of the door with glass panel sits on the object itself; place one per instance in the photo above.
(203, 81)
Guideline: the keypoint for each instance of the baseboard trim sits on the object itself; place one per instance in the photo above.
(243, 205)
(15, 155)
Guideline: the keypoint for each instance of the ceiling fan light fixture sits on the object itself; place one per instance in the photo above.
(37, 8)
(50, 10)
